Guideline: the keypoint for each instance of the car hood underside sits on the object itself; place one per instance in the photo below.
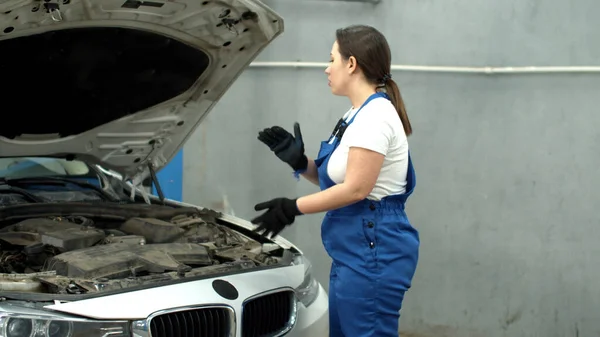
(121, 83)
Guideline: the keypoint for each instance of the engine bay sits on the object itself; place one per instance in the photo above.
(77, 254)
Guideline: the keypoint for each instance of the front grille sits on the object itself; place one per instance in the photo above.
(269, 315)
(202, 322)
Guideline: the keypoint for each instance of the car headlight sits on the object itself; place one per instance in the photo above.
(308, 291)
(26, 325)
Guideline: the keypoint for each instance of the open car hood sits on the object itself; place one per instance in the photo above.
(120, 83)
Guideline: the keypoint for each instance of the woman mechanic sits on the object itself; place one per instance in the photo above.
(365, 174)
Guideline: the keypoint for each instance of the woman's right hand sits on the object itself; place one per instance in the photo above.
(286, 147)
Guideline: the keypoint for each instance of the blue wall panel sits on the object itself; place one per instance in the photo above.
(171, 178)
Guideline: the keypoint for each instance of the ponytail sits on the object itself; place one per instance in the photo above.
(394, 92)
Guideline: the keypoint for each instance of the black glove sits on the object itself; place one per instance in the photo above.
(281, 212)
(286, 147)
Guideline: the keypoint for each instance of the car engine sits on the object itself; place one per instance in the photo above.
(79, 255)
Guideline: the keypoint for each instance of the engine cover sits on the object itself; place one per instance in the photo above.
(125, 259)
(61, 234)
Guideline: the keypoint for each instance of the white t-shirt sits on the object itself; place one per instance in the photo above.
(378, 128)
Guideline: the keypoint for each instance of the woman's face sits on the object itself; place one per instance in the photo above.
(338, 72)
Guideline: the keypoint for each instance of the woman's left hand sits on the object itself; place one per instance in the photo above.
(281, 213)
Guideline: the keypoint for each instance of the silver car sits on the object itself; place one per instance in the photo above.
(106, 92)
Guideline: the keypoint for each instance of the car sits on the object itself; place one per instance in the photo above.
(105, 94)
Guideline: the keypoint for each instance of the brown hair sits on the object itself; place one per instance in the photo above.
(374, 58)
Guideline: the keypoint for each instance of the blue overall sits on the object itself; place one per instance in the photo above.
(374, 251)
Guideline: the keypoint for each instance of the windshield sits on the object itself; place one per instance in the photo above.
(29, 167)
(43, 179)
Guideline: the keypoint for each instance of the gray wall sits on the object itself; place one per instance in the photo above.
(506, 165)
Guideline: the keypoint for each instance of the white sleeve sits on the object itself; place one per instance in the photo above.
(371, 129)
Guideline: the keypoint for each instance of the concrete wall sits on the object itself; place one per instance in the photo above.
(506, 165)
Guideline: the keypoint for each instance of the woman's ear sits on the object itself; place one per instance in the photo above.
(352, 65)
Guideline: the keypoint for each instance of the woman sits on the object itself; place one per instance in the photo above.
(365, 174)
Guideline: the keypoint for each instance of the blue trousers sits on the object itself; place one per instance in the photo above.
(375, 253)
